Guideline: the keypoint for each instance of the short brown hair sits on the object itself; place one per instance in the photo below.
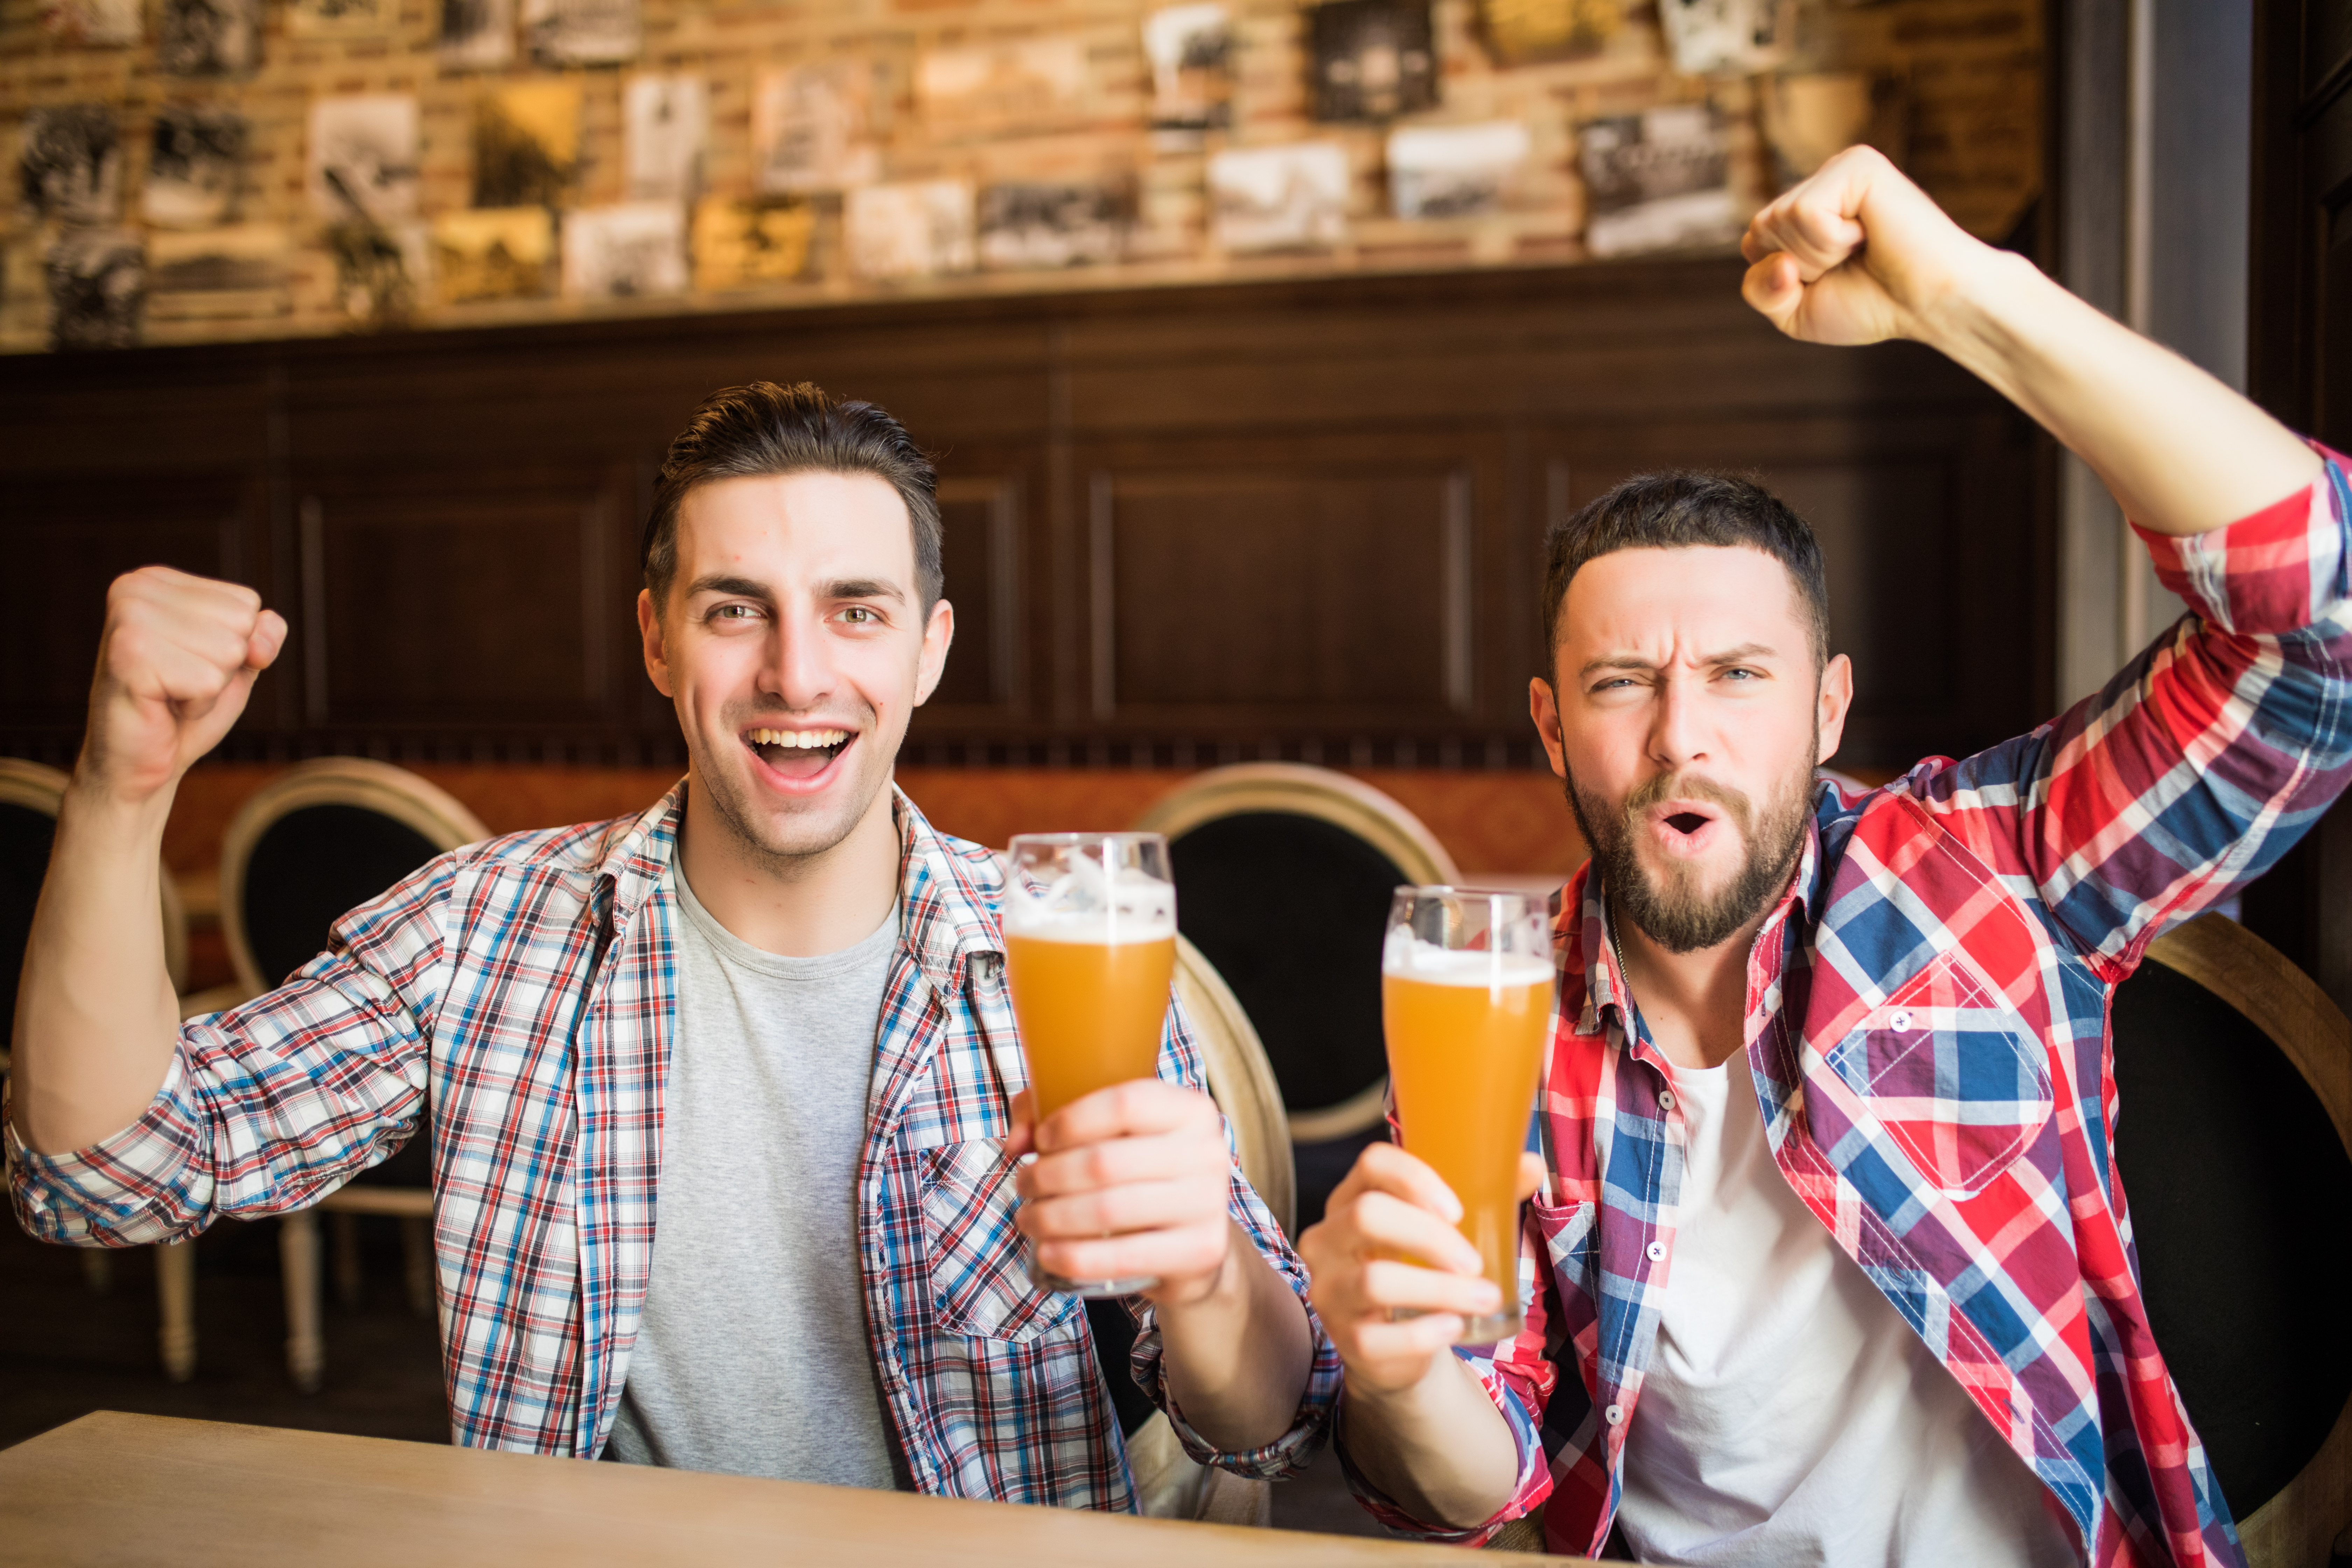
(760, 429)
(1681, 508)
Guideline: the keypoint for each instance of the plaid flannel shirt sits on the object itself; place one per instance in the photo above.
(521, 993)
(1926, 1022)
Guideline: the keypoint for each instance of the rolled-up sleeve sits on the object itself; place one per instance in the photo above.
(269, 1106)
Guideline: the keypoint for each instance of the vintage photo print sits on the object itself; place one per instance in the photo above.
(667, 121)
(476, 35)
(72, 165)
(97, 288)
(219, 273)
(1456, 170)
(1372, 59)
(1525, 32)
(1729, 37)
(196, 166)
(582, 32)
(381, 274)
(500, 253)
(1012, 85)
(1660, 180)
(627, 251)
(1029, 224)
(364, 157)
(740, 244)
(811, 128)
(1192, 50)
(1277, 198)
(340, 18)
(526, 143)
(922, 228)
(208, 37)
(91, 24)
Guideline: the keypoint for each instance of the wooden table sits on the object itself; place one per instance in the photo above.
(119, 1489)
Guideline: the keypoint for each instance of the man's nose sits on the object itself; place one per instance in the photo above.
(1676, 739)
(799, 669)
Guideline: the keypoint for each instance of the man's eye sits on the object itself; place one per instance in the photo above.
(733, 613)
(859, 615)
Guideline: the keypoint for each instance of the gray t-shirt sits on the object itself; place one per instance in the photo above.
(752, 1357)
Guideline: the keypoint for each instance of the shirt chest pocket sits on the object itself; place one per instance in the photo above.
(1951, 1074)
(976, 1258)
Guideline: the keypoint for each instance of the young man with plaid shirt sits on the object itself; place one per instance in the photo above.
(728, 1117)
(1828, 1261)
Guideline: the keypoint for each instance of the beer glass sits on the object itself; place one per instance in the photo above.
(1089, 950)
(1466, 1002)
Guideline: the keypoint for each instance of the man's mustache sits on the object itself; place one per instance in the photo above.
(1691, 786)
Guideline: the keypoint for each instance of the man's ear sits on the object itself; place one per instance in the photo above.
(938, 631)
(1543, 706)
(649, 629)
(1832, 703)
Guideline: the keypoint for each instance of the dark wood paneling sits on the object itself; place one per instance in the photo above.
(1184, 525)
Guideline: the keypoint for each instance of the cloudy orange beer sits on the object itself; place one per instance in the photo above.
(1089, 950)
(1466, 1036)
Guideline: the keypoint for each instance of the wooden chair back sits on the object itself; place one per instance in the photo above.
(1283, 877)
(322, 838)
(1241, 1080)
(2233, 1076)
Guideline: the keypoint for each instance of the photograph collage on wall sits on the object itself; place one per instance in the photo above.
(1187, 132)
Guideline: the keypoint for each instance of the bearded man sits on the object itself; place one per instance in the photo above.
(1829, 1264)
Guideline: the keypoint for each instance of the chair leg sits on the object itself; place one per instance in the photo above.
(347, 1260)
(98, 1269)
(175, 1300)
(297, 1268)
(416, 1252)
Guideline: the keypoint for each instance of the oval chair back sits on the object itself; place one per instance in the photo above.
(2233, 1075)
(1283, 879)
(322, 838)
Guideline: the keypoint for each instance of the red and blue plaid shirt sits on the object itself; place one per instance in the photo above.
(521, 993)
(1926, 1024)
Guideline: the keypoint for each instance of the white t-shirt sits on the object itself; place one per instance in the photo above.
(1791, 1416)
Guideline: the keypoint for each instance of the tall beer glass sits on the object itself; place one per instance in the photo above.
(1089, 950)
(1466, 998)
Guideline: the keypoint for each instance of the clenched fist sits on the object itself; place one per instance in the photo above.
(175, 664)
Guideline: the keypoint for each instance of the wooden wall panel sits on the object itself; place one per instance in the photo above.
(1186, 525)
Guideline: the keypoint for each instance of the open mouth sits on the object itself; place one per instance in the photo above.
(1686, 821)
(799, 753)
(1684, 831)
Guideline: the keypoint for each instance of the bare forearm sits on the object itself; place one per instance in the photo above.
(97, 1020)
(1439, 1449)
(1237, 1359)
(2181, 452)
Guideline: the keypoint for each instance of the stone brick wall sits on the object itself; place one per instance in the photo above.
(1963, 77)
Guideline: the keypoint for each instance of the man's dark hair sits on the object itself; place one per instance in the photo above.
(745, 431)
(1676, 509)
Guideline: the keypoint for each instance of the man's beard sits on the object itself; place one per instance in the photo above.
(1670, 909)
(729, 793)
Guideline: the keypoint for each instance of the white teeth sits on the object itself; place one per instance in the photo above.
(799, 739)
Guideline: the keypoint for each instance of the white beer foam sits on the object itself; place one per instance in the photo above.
(1411, 959)
(1083, 906)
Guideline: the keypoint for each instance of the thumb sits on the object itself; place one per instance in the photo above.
(1531, 1175)
(268, 641)
(1774, 290)
(1022, 1138)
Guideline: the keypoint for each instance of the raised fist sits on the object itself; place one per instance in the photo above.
(175, 664)
(1855, 254)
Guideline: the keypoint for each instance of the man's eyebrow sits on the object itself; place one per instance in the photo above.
(741, 587)
(862, 588)
(1745, 651)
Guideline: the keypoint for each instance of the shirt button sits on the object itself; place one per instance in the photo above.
(1657, 1250)
(1899, 1020)
(1666, 1099)
(1614, 1416)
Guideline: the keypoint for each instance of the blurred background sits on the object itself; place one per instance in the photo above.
(1259, 342)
